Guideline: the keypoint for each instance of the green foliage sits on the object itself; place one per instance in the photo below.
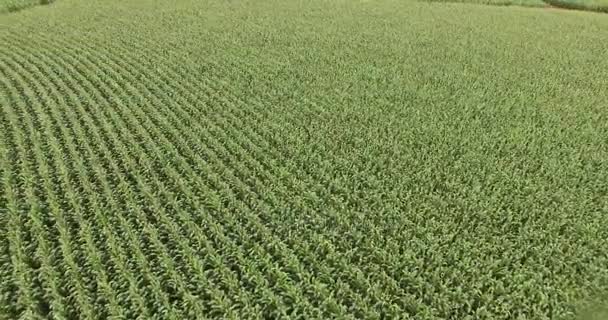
(16, 5)
(312, 160)
(587, 5)
(524, 3)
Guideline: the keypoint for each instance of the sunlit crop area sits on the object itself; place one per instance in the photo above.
(302, 159)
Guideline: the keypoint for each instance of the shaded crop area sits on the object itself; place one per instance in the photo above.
(285, 159)
(523, 3)
(583, 5)
(586, 5)
(7, 6)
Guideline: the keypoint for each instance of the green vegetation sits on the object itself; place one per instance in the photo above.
(16, 5)
(523, 3)
(312, 159)
(587, 5)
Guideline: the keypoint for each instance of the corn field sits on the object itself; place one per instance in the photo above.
(305, 160)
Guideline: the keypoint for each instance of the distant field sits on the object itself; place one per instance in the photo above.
(7, 6)
(524, 3)
(586, 5)
(302, 159)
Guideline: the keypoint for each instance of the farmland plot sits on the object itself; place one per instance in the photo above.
(291, 159)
